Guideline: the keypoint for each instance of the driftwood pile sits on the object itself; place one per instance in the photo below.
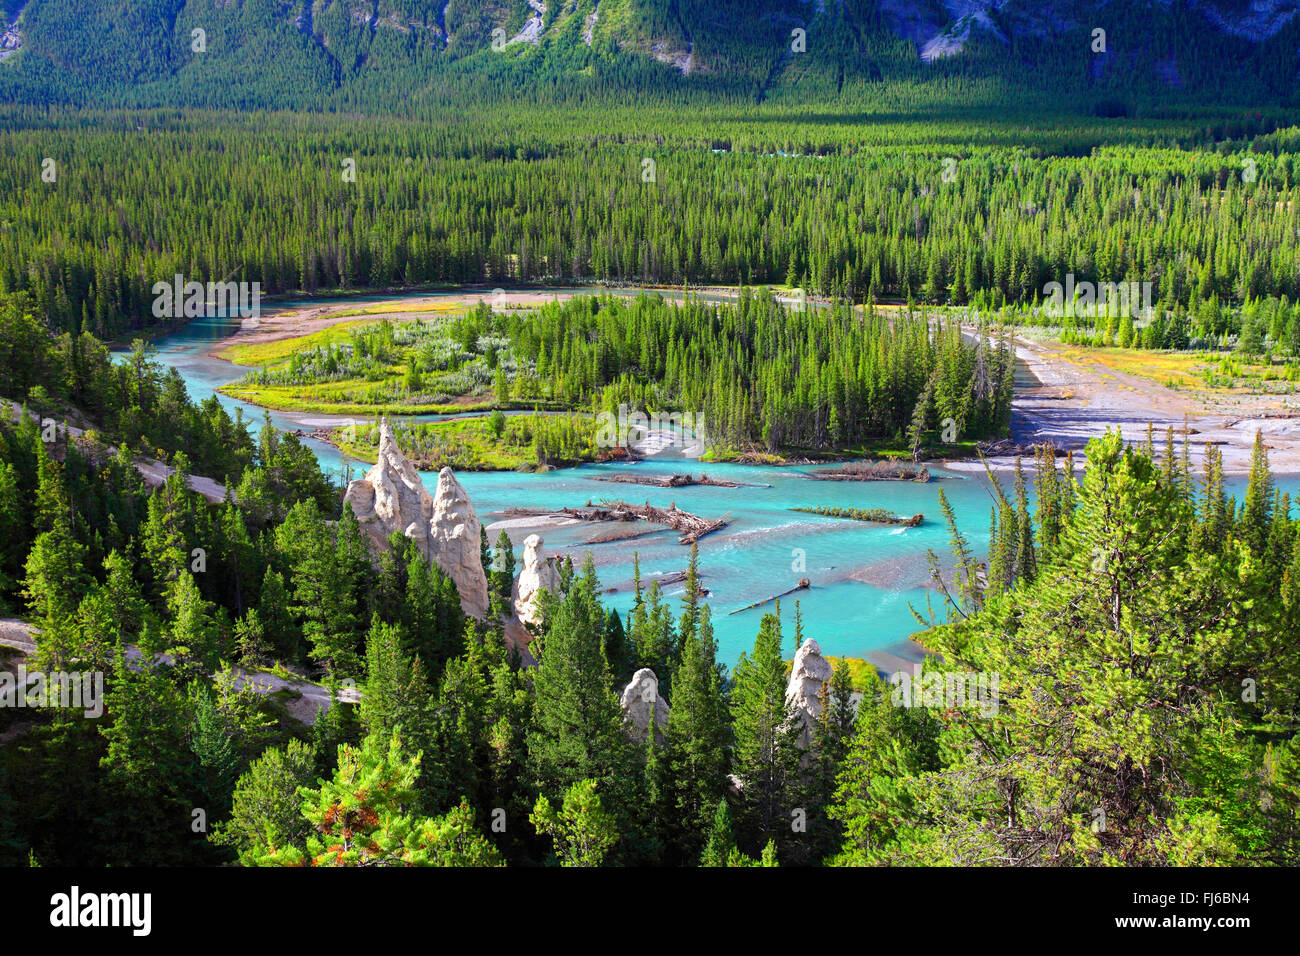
(675, 481)
(1006, 448)
(692, 527)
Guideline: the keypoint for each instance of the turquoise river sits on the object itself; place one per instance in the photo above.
(863, 576)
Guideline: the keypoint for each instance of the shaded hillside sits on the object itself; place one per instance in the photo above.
(400, 55)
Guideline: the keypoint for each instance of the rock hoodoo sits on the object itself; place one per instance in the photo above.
(809, 673)
(641, 702)
(537, 573)
(391, 498)
(456, 541)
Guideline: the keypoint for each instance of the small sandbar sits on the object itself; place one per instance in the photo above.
(532, 521)
(904, 572)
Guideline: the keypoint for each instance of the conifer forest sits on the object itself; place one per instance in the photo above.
(651, 434)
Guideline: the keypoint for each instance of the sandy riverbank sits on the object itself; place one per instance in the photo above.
(1069, 397)
(294, 322)
(1075, 395)
(276, 324)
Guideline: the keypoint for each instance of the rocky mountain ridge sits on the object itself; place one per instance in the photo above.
(173, 52)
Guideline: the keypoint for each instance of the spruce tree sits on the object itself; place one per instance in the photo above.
(218, 763)
(578, 732)
(1256, 514)
(696, 739)
(766, 754)
(502, 576)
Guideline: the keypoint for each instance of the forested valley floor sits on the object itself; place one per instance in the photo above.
(1143, 626)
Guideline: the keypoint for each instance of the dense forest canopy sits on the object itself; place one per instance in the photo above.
(1135, 585)
(97, 208)
(756, 373)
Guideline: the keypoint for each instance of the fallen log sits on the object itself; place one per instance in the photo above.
(672, 577)
(873, 515)
(803, 585)
(674, 481)
(691, 527)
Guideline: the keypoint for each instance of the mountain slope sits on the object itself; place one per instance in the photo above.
(395, 54)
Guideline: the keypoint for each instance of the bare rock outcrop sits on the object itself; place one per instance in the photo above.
(809, 673)
(391, 497)
(642, 703)
(456, 542)
(537, 573)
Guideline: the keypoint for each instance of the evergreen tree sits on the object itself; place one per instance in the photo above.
(324, 588)
(721, 841)
(1256, 514)
(766, 754)
(581, 830)
(218, 764)
(502, 576)
(578, 730)
(696, 739)
(266, 816)
(366, 815)
(277, 621)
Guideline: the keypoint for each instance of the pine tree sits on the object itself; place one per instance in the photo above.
(617, 651)
(503, 573)
(1212, 531)
(578, 729)
(367, 815)
(250, 639)
(1140, 636)
(582, 831)
(460, 760)
(721, 841)
(1256, 514)
(654, 638)
(1026, 560)
(324, 588)
(873, 803)
(53, 505)
(691, 596)
(266, 815)
(696, 739)
(277, 620)
(765, 756)
(390, 690)
(218, 763)
(193, 633)
(919, 429)
(422, 636)
(168, 531)
(831, 734)
(55, 580)
(13, 532)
